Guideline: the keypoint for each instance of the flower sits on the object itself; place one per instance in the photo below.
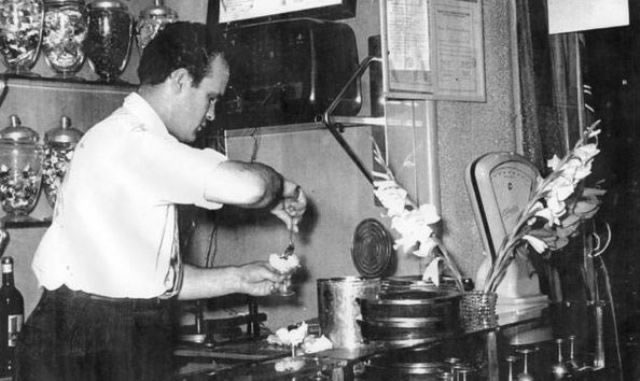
(414, 223)
(555, 210)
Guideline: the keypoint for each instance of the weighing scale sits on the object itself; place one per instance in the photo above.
(499, 185)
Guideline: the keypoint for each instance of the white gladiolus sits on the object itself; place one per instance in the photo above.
(536, 243)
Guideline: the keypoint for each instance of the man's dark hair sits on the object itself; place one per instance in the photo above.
(180, 45)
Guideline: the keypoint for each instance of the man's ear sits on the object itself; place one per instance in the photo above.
(180, 78)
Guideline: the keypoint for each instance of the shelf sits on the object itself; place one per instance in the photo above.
(79, 84)
(26, 222)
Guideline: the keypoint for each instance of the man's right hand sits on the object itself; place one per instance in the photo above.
(293, 205)
(258, 278)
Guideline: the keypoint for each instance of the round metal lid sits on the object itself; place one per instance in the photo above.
(159, 10)
(16, 132)
(65, 134)
(106, 4)
(52, 2)
(372, 251)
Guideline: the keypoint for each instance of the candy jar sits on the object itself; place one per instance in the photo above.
(151, 20)
(65, 29)
(59, 144)
(20, 170)
(109, 40)
(20, 34)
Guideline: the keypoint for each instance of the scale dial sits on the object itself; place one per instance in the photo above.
(511, 189)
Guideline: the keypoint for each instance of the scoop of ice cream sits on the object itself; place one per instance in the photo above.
(293, 336)
(314, 344)
(289, 364)
(284, 264)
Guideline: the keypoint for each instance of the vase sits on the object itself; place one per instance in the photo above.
(478, 310)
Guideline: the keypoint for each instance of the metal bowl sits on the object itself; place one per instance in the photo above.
(411, 304)
(398, 329)
(413, 364)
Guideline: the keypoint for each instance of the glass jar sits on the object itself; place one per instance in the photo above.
(65, 29)
(108, 43)
(20, 34)
(59, 144)
(20, 169)
(151, 20)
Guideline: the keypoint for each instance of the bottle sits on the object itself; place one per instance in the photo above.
(11, 317)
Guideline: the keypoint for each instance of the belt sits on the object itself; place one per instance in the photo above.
(133, 303)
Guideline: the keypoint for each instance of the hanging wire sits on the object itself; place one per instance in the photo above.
(256, 136)
(616, 338)
(599, 248)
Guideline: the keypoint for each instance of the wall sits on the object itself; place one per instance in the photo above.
(468, 130)
(341, 197)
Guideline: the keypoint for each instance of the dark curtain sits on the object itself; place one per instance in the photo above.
(549, 75)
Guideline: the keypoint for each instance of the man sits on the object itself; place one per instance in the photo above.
(109, 263)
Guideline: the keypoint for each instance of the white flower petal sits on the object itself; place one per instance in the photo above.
(432, 272)
(553, 162)
(536, 243)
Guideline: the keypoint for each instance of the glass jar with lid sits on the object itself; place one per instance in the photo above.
(59, 144)
(21, 23)
(65, 29)
(151, 20)
(20, 169)
(108, 43)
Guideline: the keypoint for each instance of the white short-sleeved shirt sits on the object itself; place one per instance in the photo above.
(114, 224)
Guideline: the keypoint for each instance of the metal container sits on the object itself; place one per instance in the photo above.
(423, 364)
(407, 310)
(412, 304)
(404, 330)
(338, 308)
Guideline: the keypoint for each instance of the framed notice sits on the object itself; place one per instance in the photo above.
(407, 41)
(241, 11)
(434, 49)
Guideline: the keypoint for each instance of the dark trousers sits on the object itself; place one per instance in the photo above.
(76, 336)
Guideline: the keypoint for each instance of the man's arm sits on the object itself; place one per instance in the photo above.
(256, 278)
(248, 185)
(256, 185)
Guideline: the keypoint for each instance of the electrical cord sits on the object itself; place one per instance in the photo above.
(616, 338)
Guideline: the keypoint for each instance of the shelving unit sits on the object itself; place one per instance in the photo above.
(52, 83)
(68, 86)
(29, 222)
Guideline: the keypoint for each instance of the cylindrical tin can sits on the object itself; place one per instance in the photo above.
(339, 311)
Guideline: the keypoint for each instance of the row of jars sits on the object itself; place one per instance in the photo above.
(27, 165)
(68, 31)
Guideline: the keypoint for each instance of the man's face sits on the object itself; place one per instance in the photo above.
(196, 104)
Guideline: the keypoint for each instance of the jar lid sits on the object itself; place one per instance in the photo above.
(158, 10)
(49, 2)
(16, 132)
(107, 4)
(63, 134)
